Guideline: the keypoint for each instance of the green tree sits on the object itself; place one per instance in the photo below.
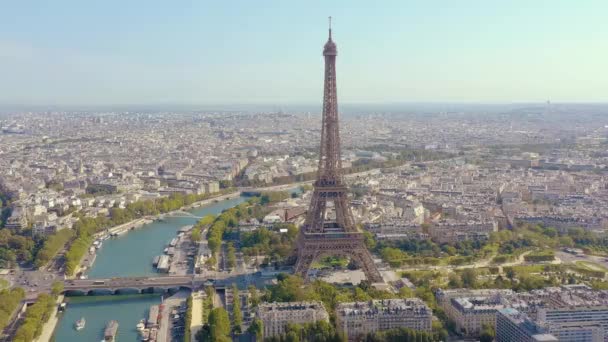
(35, 317)
(237, 315)
(469, 278)
(219, 324)
(57, 288)
(188, 319)
(195, 234)
(9, 301)
(370, 242)
(206, 220)
(231, 257)
(454, 281)
(254, 297)
(256, 328)
(288, 289)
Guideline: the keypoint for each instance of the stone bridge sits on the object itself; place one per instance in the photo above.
(131, 284)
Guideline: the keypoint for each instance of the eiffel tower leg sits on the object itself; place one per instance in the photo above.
(305, 259)
(364, 259)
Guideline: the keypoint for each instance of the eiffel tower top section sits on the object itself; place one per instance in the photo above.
(330, 163)
(330, 47)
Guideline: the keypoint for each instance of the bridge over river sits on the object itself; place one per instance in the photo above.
(140, 284)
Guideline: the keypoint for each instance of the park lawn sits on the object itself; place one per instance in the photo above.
(527, 269)
(591, 266)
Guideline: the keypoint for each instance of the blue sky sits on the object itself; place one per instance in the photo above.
(234, 52)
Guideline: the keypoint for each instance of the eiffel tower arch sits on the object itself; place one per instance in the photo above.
(331, 233)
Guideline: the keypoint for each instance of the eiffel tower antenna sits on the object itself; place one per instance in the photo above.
(323, 234)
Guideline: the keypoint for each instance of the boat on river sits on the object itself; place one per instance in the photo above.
(109, 334)
(79, 324)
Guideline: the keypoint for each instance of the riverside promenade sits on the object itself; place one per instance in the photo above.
(49, 327)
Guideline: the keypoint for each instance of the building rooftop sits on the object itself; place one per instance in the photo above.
(385, 307)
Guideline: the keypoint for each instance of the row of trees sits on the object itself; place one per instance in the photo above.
(87, 226)
(52, 245)
(538, 257)
(208, 303)
(231, 255)
(9, 301)
(205, 222)
(270, 197)
(35, 317)
(400, 335)
(237, 314)
(77, 250)
(188, 319)
(320, 331)
(217, 328)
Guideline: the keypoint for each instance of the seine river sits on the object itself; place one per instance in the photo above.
(128, 255)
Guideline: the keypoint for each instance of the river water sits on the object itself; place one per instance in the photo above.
(128, 255)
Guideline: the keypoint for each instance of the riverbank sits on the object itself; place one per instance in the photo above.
(49, 327)
(89, 258)
(123, 228)
(209, 201)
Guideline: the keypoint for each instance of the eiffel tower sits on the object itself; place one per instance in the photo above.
(324, 234)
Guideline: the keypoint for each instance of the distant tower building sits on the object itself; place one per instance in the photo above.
(322, 235)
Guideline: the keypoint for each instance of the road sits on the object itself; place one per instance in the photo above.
(166, 321)
(32, 281)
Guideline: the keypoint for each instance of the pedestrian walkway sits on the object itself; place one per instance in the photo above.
(197, 313)
(49, 327)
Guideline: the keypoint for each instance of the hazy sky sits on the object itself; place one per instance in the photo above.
(215, 52)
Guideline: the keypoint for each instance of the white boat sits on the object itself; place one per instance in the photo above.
(79, 325)
(141, 325)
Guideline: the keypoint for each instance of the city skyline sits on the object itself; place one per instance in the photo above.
(404, 52)
(409, 222)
